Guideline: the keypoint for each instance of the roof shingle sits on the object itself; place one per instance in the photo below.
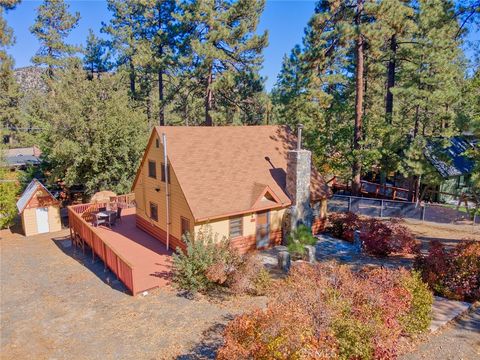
(221, 170)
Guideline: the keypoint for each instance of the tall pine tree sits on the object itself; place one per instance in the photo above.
(223, 48)
(52, 26)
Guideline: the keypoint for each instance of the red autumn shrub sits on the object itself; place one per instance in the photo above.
(326, 311)
(343, 225)
(454, 273)
(382, 238)
(249, 277)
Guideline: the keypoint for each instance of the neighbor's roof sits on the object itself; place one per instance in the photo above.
(449, 157)
(23, 156)
(230, 170)
(29, 192)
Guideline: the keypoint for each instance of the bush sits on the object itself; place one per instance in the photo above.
(193, 270)
(418, 318)
(8, 196)
(249, 277)
(297, 240)
(326, 311)
(382, 238)
(454, 273)
(343, 225)
(210, 263)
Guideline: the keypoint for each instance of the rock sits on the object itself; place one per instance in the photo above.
(310, 251)
(357, 243)
(284, 261)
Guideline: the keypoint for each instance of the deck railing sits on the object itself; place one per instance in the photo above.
(83, 233)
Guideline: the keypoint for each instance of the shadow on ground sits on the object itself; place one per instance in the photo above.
(211, 342)
(94, 264)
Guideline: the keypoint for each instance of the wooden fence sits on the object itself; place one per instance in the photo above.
(83, 233)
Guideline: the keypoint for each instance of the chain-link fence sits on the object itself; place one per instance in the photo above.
(390, 208)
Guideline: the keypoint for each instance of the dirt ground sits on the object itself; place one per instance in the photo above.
(448, 234)
(57, 305)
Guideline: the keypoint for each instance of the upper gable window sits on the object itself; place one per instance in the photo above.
(157, 143)
(152, 169)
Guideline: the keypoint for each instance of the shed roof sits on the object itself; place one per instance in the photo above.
(449, 157)
(29, 192)
(227, 170)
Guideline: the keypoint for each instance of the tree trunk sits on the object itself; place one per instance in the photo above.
(132, 79)
(415, 128)
(161, 110)
(359, 88)
(149, 109)
(208, 99)
(391, 78)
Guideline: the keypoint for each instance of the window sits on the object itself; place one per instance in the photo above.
(157, 143)
(185, 225)
(236, 227)
(152, 169)
(163, 173)
(153, 211)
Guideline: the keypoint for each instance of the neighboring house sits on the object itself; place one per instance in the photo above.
(20, 158)
(39, 210)
(451, 160)
(232, 178)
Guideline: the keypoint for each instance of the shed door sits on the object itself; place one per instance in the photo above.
(42, 220)
(263, 229)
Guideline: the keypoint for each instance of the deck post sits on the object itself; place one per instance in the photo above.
(381, 209)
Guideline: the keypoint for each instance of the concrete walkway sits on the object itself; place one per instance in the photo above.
(458, 340)
(444, 310)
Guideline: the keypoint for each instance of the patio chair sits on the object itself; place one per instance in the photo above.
(119, 214)
(98, 221)
(112, 219)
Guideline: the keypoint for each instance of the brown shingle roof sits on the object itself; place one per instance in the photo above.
(223, 170)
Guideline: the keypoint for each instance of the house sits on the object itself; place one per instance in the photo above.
(450, 158)
(39, 210)
(21, 158)
(250, 184)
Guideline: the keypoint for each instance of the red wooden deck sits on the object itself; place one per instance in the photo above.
(148, 256)
(144, 256)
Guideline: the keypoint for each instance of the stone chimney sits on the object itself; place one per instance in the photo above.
(299, 165)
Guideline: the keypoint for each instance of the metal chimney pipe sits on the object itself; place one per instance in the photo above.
(299, 136)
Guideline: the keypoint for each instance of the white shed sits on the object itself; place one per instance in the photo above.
(39, 210)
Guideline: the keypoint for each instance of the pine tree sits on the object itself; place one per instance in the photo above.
(52, 26)
(159, 47)
(9, 89)
(126, 29)
(223, 45)
(96, 58)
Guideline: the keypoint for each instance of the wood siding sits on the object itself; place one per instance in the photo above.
(29, 221)
(54, 220)
(145, 192)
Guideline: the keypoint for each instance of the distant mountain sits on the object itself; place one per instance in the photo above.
(30, 79)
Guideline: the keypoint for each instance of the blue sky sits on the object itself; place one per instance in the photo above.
(284, 20)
